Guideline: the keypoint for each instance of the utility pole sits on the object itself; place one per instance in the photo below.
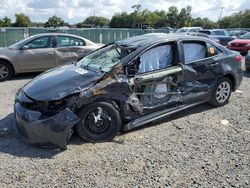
(221, 9)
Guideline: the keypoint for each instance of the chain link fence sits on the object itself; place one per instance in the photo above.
(9, 36)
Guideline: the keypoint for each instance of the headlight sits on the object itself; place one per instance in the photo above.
(229, 44)
(248, 44)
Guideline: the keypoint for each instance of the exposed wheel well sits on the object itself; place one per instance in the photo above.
(232, 79)
(6, 61)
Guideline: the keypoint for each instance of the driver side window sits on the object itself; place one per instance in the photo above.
(42, 42)
(156, 58)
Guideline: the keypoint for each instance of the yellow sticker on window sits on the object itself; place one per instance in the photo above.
(212, 51)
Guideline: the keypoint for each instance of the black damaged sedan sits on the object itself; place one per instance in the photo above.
(125, 85)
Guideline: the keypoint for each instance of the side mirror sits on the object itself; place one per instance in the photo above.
(25, 47)
(212, 51)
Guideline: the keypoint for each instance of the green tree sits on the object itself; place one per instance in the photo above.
(121, 20)
(204, 23)
(97, 21)
(55, 21)
(37, 24)
(172, 16)
(136, 16)
(236, 20)
(5, 22)
(22, 20)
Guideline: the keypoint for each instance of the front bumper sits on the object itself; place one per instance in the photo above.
(33, 128)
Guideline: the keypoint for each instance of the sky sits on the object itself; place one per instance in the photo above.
(74, 11)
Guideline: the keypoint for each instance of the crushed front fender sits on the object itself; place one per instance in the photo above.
(33, 128)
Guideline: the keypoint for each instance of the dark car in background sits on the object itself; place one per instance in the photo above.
(241, 45)
(41, 52)
(198, 34)
(221, 34)
(125, 85)
(237, 33)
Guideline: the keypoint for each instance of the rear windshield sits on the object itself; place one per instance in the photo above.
(181, 30)
(245, 36)
(219, 33)
(206, 32)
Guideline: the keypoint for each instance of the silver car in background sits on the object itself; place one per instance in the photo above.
(41, 52)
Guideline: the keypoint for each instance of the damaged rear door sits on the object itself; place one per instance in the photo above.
(201, 68)
(158, 77)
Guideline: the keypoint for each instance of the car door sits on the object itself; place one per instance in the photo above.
(37, 55)
(69, 49)
(157, 77)
(201, 69)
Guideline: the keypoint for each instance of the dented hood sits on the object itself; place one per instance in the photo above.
(60, 82)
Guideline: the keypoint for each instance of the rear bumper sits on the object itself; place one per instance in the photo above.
(238, 79)
(32, 128)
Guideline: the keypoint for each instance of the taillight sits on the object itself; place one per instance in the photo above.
(238, 58)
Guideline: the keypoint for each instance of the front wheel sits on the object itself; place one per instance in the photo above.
(100, 122)
(222, 92)
(6, 71)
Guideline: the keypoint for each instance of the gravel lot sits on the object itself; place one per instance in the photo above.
(190, 149)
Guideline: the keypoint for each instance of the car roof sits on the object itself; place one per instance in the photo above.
(153, 38)
(190, 27)
(218, 29)
(64, 34)
(55, 34)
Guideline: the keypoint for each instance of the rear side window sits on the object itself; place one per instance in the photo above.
(69, 41)
(206, 32)
(219, 33)
(194, 51)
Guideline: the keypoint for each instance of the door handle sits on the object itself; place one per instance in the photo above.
(50, 53)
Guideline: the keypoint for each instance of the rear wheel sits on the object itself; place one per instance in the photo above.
(222, 92)
(100, 122)
(6, 71)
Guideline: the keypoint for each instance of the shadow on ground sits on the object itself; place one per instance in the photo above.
(25, 76)
(10, 144)
(197, 109)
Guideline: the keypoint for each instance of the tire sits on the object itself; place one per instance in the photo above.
(100, 122)
(222, 92)
(6, 71)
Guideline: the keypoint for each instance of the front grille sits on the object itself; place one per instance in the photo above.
(49, 108)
